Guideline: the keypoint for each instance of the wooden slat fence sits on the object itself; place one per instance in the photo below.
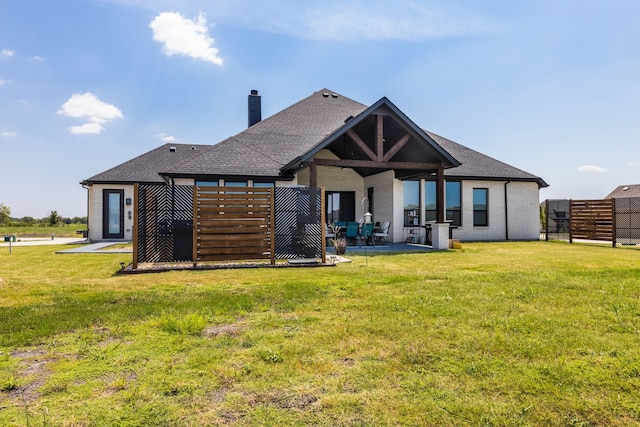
(233, 223)
(592, 220)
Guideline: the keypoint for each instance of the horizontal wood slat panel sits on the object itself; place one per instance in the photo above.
(234, 223)
(233, 237)
(592, 219)
(229, 230)
(231, 251)
(232, 209)
(246, 257)
(226, 222)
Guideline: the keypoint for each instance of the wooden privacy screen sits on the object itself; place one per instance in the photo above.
(592, 220)
(233, 223)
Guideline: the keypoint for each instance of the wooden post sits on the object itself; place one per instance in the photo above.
(195, 226)
(440, 205)
(272, 224)
(380, 137)
(570, 221)
(546, 220)
(135, 226)
(323, 222)
(613, 222)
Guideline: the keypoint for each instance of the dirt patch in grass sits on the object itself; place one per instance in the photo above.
(228, 329)
(302, 402)
(34, 365)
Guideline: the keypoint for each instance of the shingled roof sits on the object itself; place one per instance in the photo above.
(476, 165)
(269, 147)
(264, 148)
(624, 191)
(145, 168)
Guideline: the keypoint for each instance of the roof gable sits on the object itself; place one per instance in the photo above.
(395, 127)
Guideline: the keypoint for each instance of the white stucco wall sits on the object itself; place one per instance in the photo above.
(95, 210)
(521, 211)
(524, 211)
(383, 199)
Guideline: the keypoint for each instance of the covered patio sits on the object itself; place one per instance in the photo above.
(380, 139)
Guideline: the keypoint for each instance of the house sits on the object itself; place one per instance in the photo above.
(368, 158)
(624, 191)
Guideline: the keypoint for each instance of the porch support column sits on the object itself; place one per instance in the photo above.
(440, 206)
(440, 236)
(440, 230)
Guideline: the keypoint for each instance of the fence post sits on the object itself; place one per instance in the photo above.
(195, 226)
(546, 220)
(570, 220)
(135, 226)
(613, 222)
(323, 227)
(272, 223)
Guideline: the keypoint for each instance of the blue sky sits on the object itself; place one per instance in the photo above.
(551, 87)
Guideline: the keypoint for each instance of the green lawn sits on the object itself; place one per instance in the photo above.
(495, 334)
(66, 230)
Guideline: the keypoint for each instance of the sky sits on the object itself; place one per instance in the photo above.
(551, 87)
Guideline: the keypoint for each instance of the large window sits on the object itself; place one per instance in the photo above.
(411, 190)
(453, 203)
(430, 201)
(480, 207)
(341, 206)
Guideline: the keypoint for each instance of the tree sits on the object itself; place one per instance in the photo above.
(5, 213)
(54, 218)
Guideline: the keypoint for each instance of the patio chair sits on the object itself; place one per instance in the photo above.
(366, 232)
(352, 231)
(328, 234)
(382, 235)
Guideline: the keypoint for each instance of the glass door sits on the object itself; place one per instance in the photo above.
(113, 214)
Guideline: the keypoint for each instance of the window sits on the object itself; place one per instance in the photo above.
(341, 206)
(411, 190)
(480, 207)
(263, 184)
(430, 201)
(453, 203)
(235, 183)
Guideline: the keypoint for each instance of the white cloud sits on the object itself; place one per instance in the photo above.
(591, 168)
(38, 58)
(7, 53)
(89, 107)
(87, 129)
(8, 134)
(166, 138)
(182, 36)
(3, 82)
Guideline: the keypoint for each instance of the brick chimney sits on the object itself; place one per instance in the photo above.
(255, 108)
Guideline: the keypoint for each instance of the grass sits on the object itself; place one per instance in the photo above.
(66, 230)
(495, 334)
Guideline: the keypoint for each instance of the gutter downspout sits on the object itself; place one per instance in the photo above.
(506, 212)
(88, 205)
